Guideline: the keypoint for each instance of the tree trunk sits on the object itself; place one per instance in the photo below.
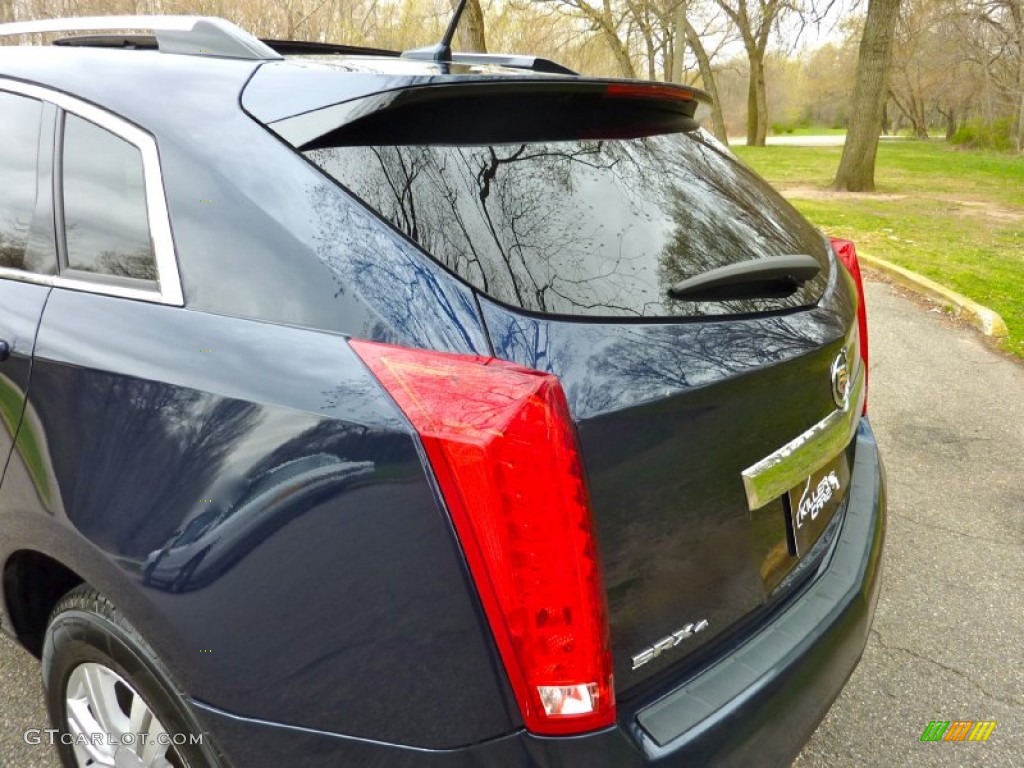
(621, 54)
(914, 112)
(857, 167)
(470, 36)
(751, 112)
(1020, 82)
(650, 47)
(679, 42)
(684, 29)
(604, 19)
(757, 104)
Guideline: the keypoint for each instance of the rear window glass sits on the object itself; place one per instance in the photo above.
(597, 228)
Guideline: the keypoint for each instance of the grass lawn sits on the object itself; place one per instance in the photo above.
(956, 216)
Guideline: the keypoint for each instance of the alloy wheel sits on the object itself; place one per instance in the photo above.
(111, 725)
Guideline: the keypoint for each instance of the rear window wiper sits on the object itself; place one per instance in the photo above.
(771, 277)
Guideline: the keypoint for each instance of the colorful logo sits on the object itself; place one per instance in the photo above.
(958, 730)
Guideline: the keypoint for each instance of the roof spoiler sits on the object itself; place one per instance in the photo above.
(496, 111)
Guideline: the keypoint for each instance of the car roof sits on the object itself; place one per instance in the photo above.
(298, 84)
(127, 82)
(121, 79)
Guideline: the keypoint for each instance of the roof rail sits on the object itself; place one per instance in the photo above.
(193, 35)
(513, 60)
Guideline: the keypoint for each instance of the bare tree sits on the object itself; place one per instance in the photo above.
(857, 165)
(1001, 33)
(687, 36)
(754, 20)
(607, 21)
(470, 35)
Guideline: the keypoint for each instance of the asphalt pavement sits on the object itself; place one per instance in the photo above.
(948, 636)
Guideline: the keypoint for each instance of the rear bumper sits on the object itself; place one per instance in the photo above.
(757, 706)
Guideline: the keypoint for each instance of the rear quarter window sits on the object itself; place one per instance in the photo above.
(105, 219)
(597, 228)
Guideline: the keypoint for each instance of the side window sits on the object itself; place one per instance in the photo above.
(19, 154)
(105, 220)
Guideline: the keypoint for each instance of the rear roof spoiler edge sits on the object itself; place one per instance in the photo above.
(303, 129)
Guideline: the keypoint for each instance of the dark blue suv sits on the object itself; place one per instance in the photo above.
(367, 409)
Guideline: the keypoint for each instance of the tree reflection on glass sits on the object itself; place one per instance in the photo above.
(584, 227)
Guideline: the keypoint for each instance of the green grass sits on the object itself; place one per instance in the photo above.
(956, 216)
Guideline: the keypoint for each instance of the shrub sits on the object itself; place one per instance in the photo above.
(979, 134)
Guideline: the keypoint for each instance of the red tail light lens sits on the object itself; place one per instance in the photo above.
(648, 91)
(846, 252)
(503, 448)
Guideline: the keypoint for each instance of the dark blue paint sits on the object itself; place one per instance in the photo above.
(261, 511)
(798, 679)
(22, 306)
(286, 245)
(669, 415)
(326, 588)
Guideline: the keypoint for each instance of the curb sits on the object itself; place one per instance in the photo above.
(984, 319)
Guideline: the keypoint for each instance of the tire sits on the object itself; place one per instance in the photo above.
(95, 657)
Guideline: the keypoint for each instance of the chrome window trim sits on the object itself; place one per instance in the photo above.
(805, 454)
(168, 289)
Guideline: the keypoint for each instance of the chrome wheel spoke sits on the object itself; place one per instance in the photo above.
(99, 686)
(83, 728)
(97, 721)
(139, 720)
(152, 751)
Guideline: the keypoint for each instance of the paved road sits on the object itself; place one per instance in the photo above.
(21, 708)
(948, 639)
(785, 140)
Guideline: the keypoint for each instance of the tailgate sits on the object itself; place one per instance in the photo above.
(692, 434)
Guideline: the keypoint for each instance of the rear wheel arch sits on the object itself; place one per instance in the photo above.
(33, 583)
(122, 689)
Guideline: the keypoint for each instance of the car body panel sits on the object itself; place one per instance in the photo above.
(669, 415)
(290, 247)
(287, 88)
(22, 305)
(140, 408)
(760, 717)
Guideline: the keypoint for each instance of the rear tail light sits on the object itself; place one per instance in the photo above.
(503, 448)
(846, 252)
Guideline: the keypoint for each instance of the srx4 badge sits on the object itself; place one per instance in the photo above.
(668, 642)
